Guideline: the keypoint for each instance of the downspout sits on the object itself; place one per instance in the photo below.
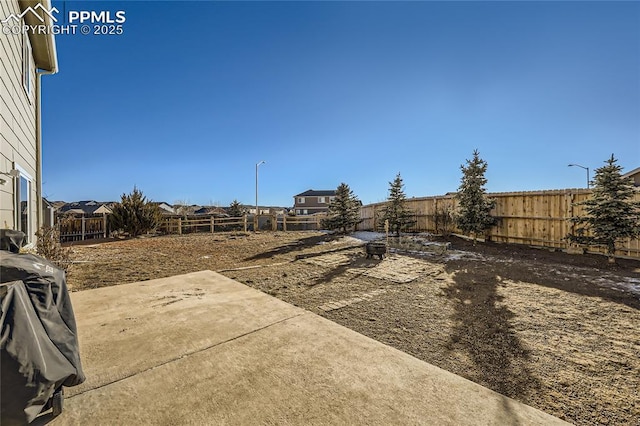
(53, 55)
(39, 74)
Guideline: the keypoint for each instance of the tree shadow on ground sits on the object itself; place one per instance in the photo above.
(299, 245)
(578, 274)
(358, 260)
(483, 332)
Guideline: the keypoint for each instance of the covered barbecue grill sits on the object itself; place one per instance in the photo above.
(39, 351)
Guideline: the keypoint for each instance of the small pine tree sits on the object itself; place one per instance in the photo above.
(235, 209)
(395, 210)
(473, 216)
(344, 210)
(134, 214)
(610, 214)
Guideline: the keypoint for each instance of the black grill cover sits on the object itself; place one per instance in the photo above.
(11, 240)
(38, 340)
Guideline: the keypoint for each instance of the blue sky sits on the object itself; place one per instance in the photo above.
(192, 95)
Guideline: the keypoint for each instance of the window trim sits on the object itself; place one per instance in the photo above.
(301, 200)
(322, 200)
(18, 201)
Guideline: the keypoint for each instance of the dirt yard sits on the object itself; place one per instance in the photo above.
(555, 331)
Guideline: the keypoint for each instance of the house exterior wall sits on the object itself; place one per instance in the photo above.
(17, 126)
(311, 204)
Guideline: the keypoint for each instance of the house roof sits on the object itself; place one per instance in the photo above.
(160, 203)
(215, 211)
(632, 172)
(42, 45)
(314, 193)
(87, 207)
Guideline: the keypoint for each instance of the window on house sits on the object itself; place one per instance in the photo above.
(298, 211)
(27, 59)
(331, 199)
(300, 200)
(24, 203)
(321, 200)
(305, 211)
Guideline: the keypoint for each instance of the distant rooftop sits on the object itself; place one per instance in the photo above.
(321, 193)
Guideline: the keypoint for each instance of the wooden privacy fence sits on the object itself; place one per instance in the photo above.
(83, 228)
(537, 218)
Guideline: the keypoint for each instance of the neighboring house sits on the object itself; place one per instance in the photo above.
(86, 208)
(57, 204)
(186, 210)
(312, 202)
(265, 210)
(278, 210)
(262, 210)
(24, 58)
(212, 211)
(635, 175)
(165, 208)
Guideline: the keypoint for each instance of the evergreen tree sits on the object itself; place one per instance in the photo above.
(235, 209)
(610, 213)
(473, 216)
(134, 214)
(395, 210)
(344, 210)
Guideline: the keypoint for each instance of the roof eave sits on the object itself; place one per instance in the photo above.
(43, 45)
(632, 172)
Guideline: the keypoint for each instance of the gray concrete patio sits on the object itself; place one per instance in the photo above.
(204, 349)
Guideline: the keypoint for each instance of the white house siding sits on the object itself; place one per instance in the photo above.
(17, 123)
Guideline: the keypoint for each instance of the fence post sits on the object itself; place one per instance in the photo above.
(284, 222)
(83, 227)
(375, 219)
(244, 220)
(104, 224)
(179, 226)
(212, 224)
(274, 222)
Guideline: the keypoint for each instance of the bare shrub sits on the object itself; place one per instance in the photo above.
(48, 246)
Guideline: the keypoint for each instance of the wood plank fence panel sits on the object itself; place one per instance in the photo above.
(82, 228)
(537, 218)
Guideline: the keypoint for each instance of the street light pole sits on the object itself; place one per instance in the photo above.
(255, 222)
(582, 167)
